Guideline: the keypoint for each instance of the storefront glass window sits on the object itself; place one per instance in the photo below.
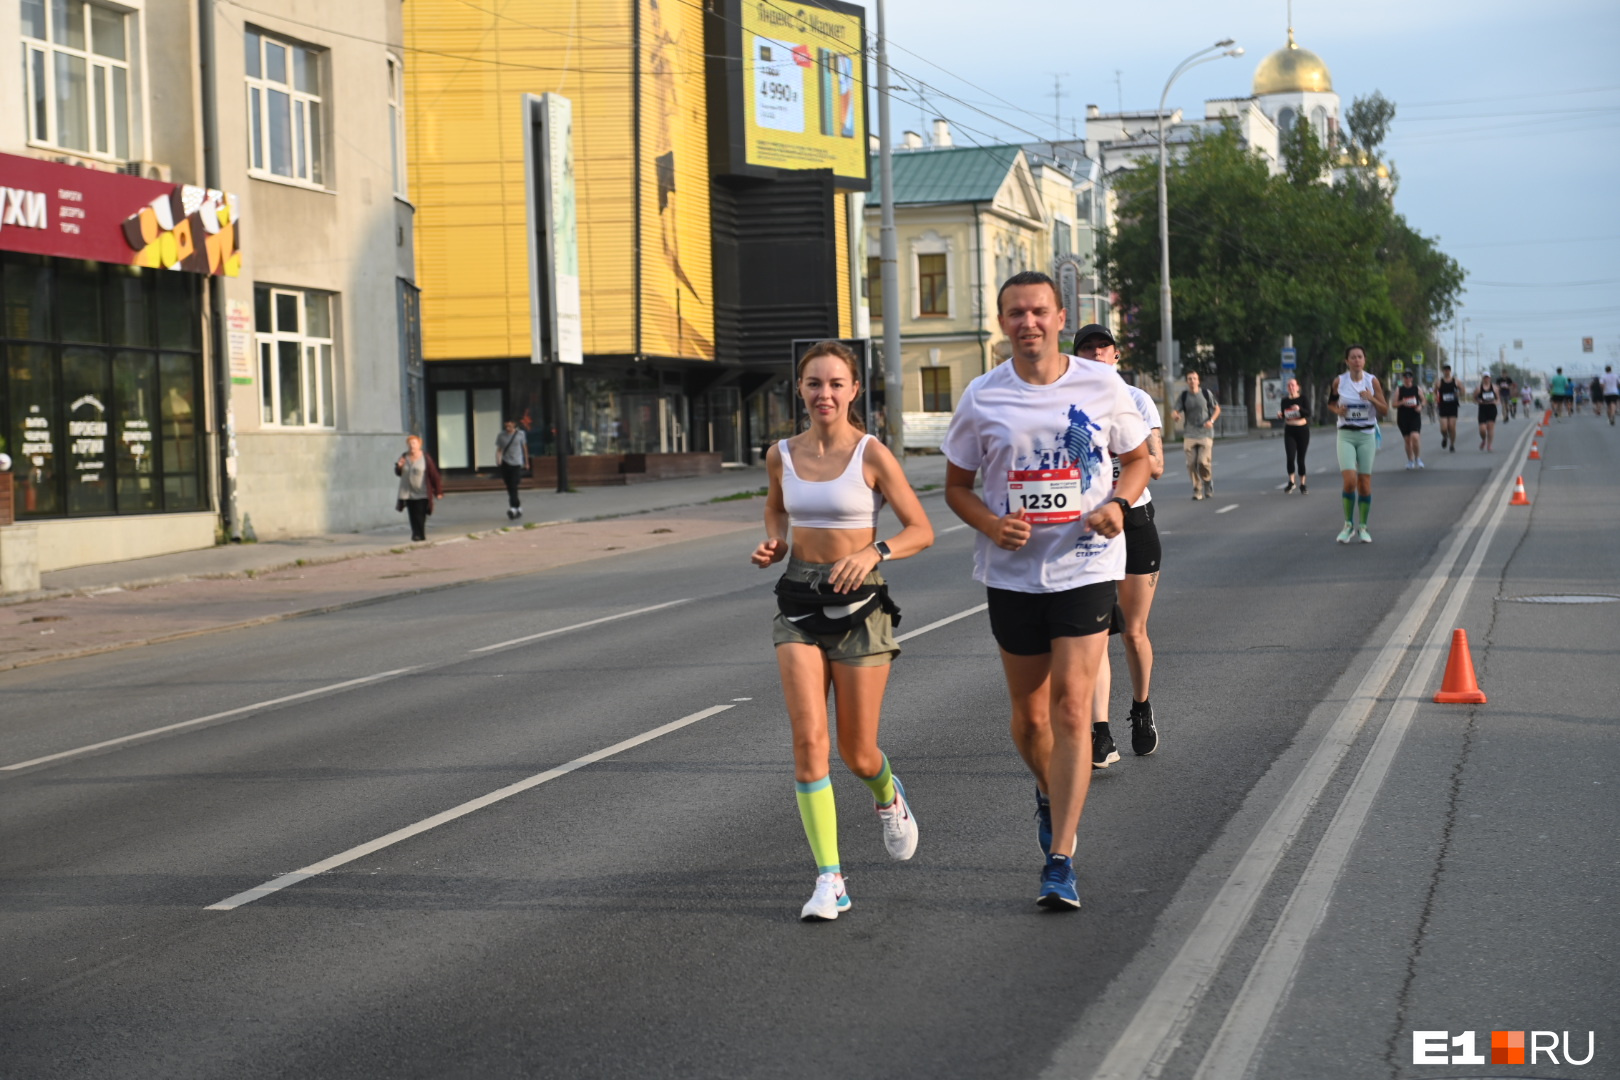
(35, 430)
(86, 389)
(27, 287)
(179, 420)
(135, 398)
(95, 426)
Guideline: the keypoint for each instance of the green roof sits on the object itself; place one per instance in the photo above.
(957, 174)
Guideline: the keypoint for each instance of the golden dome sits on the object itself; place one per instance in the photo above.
(1291, 70)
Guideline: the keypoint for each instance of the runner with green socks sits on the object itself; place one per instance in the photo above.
(835, 622)
(1358, 401)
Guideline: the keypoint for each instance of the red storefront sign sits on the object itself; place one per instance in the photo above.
(47, 208)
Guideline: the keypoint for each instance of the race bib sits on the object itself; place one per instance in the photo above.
(1047, 496)
(1487, 396)
(1292, 412)
(1358, 413)
(1447, 396)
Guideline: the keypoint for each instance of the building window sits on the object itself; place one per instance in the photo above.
(933, 290)
(294, 332)
(874, 286)
(396, 123)
(286, 126)
(1062, 238)
(936, 388)
(76, 76)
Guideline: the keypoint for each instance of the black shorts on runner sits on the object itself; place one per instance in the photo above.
(1024, 624)
(1610, 399)
(1142, 550)
(1487, 414)
(1447, 410)
(1409, 424)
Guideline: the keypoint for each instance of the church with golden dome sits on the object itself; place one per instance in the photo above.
(1294, 82)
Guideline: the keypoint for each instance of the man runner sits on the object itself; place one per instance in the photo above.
(1450, 394)
(1044, 427)
(1561, 393)
(1142, 557)
(1611, 390)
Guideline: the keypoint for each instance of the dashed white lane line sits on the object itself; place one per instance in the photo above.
(1282, 487)
(231, 903)
(578, 626)
(153, 732)
(1228, 509)
(946, 621)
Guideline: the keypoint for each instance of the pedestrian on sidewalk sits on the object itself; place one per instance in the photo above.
(512, 451)
(835, 621)
(1197, 410)
(419, 484)
(1295, 414)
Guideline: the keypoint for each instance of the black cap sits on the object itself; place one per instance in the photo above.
(1094, 330)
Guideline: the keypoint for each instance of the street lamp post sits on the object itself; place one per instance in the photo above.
(1221, 48)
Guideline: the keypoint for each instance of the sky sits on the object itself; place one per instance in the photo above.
(1506, 135)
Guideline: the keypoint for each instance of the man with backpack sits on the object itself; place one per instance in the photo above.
(1197, 410)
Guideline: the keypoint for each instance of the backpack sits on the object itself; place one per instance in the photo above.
(1209, 401)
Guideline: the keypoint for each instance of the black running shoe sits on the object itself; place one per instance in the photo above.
(1103, 751)
(1144, 736)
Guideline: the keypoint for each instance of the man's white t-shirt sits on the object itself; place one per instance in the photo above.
(1081, 421)
(1149, 413)
(1611, 383)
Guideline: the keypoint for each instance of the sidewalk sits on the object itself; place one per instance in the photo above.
(145, 601)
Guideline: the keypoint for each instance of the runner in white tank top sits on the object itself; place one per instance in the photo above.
(826, 486)
(1358, 401)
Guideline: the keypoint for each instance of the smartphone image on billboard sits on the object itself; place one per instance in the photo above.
(827, 90)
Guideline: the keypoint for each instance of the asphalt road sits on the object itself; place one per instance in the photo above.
(637, 915)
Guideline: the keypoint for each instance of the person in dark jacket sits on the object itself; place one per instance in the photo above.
(419, 484)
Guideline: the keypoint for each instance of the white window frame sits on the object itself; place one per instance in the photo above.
(931, 243)
(396, 124)
(307, 112)
(99, 80)
(317, 360)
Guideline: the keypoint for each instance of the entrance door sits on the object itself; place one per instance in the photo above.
(467, 420)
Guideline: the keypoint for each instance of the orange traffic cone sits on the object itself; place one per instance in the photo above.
(1535, 452)
(1519, 497)
(1539, 431)
(1546, 417)
(1460, 687)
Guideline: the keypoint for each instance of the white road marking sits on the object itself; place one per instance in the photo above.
(1238, 1041)
(1228, 509)
(946, 621)
(230, 903)
(1282, 487)
(578, 626)
(1154, 1033)
(742, 699)
(952, 529)
(152, 732)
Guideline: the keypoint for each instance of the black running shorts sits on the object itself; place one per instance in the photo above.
(1142, 551)
(1409, 421)
(1024, 624)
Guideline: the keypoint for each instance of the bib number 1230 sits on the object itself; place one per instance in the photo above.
(1047, 496)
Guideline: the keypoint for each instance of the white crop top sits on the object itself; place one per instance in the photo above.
(1360, 414)
(842, 503)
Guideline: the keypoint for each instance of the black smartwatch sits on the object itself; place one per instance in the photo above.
(1124, 506)
(882, 550)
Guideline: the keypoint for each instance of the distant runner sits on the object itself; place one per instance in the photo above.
(1562, 394)
(1295, 414)
(1611, 390)
(1449, 393)
(1044, 428)
(1485, 396)
(1409, 418)
(1358, 402)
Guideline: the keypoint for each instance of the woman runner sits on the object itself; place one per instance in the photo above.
(1409, 418)
(1358, 402)
(1485, 396)
(1296, 418)
(1450, 394)
(827, 485)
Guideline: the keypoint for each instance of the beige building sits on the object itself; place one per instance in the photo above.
(966, 219)
(110, 387)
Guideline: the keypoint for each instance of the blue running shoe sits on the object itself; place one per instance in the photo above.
(1043, 821)
(1057, 885)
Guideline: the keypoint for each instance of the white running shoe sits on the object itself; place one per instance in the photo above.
(899, 827)
(1420, 463)
(1363, 535)
(829, 899)
(1347, 534)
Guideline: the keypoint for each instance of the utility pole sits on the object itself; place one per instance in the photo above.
(894, 377)
(1057, 95)
(224, 415)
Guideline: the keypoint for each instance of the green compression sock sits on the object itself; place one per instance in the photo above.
(819, 812)
(1349, 507)
(882, 784)
(1366, 508)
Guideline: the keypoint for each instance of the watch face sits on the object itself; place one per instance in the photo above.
(882, 549)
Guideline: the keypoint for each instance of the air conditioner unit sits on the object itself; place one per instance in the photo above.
(152, 170)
